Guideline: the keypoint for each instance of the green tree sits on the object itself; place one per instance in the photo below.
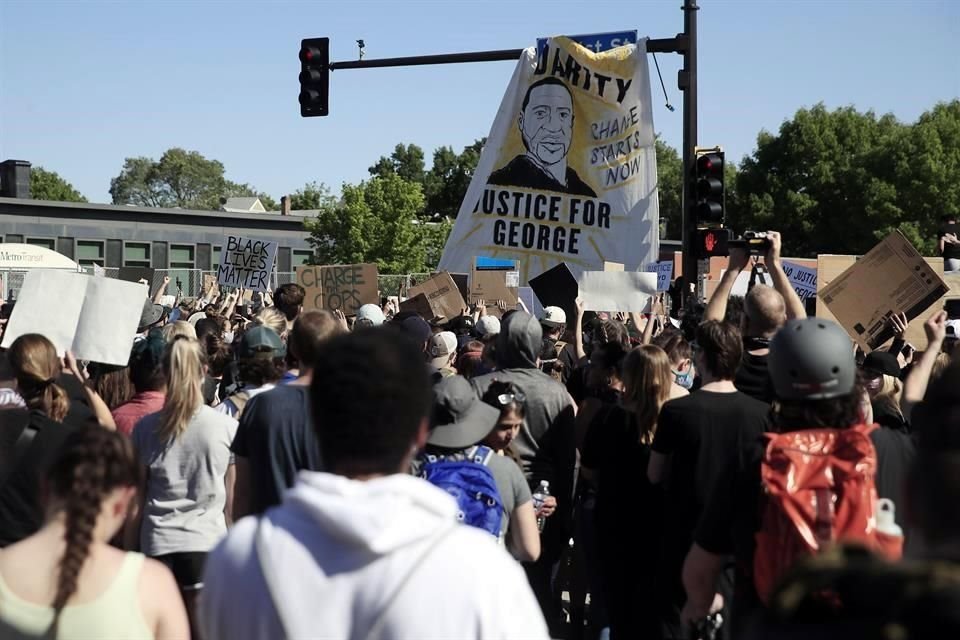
(926, 169)
(48, 185)
(819, 181)
(374, 221)
(313, 195)
(446, 184)
(406, 161)
(180, 178)
(670, 189)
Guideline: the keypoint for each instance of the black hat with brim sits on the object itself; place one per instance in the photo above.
(459, 419)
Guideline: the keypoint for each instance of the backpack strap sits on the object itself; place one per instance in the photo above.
(480, 454)
(19, 452)
(272, 580)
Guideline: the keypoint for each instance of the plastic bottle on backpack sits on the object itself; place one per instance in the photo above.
(891, 535)
(539, 497)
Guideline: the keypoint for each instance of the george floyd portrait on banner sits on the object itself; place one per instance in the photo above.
(546, 126)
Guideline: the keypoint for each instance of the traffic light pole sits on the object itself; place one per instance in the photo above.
(687, 81)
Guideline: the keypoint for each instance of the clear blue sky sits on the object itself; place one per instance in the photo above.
(85, 84)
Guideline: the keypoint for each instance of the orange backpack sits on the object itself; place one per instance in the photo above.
(819, 491)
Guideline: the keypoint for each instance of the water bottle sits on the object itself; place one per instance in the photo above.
(892, 540)
(539, 497)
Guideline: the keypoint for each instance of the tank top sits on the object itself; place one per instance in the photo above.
(113, 614)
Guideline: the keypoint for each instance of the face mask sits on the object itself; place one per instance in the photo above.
(228, 337)
(684, 380)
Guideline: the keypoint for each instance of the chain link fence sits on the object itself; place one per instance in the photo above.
(191, 281)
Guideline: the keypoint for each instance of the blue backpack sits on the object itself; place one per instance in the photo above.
(471, 484)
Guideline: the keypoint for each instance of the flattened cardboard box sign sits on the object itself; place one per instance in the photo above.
(442, 295)
(345, 287)
(892, 278)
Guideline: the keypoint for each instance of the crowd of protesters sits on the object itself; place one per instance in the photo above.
(261, 471)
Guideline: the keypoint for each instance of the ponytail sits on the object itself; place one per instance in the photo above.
(183, 365)
(36, 366)
(92, 463)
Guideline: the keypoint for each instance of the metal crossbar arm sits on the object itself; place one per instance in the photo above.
(663, 45)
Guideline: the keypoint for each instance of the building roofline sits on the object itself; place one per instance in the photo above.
(30, 206)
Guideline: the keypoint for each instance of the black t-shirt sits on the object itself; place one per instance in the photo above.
(613, 450)
(753, 377)
(21, 511)
(896, 451)
(950, 250)
(277, 438)
(731, 519)
(704, 434)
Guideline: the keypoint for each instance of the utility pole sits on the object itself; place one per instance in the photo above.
(687, 81)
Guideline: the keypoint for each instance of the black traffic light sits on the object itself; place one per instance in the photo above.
(712, 242)
(709, 205)
(314, 77)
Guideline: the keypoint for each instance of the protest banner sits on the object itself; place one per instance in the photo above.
(569, 172)
(246, 262)
(557, 287)
(443, 296)
(803, 279)
(664, 271)
(891, 278)
(339, 287)
(617, 290)
(95, 318)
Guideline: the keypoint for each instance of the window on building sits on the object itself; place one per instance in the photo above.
(48, 243)
(300, 257)
(136, 254)
(215, 259)
(182, 265)
(90, 252)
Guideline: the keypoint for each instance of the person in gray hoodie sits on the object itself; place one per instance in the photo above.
(546, 442)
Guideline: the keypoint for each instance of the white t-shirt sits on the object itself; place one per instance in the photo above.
(229, 408)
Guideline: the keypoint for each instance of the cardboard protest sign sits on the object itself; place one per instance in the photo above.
(803, 279)
(443, 296)
(557, 288)
(569, 171)
(339, 287)
(211, 289)
(664, 271)
(246, 262)
(136, 274)
(491, 286)
(420, 305)
(892, 278)
(462, 280)
(95, 318)
(617, 290)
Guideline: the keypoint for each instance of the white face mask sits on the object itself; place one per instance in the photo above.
(228, 337)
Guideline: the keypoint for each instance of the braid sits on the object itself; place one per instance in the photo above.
(92, 463)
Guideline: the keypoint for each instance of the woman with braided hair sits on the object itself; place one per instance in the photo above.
(98, 591)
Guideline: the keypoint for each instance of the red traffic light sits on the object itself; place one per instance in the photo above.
(709, 162)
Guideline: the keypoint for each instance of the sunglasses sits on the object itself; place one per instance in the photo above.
(505, 399)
